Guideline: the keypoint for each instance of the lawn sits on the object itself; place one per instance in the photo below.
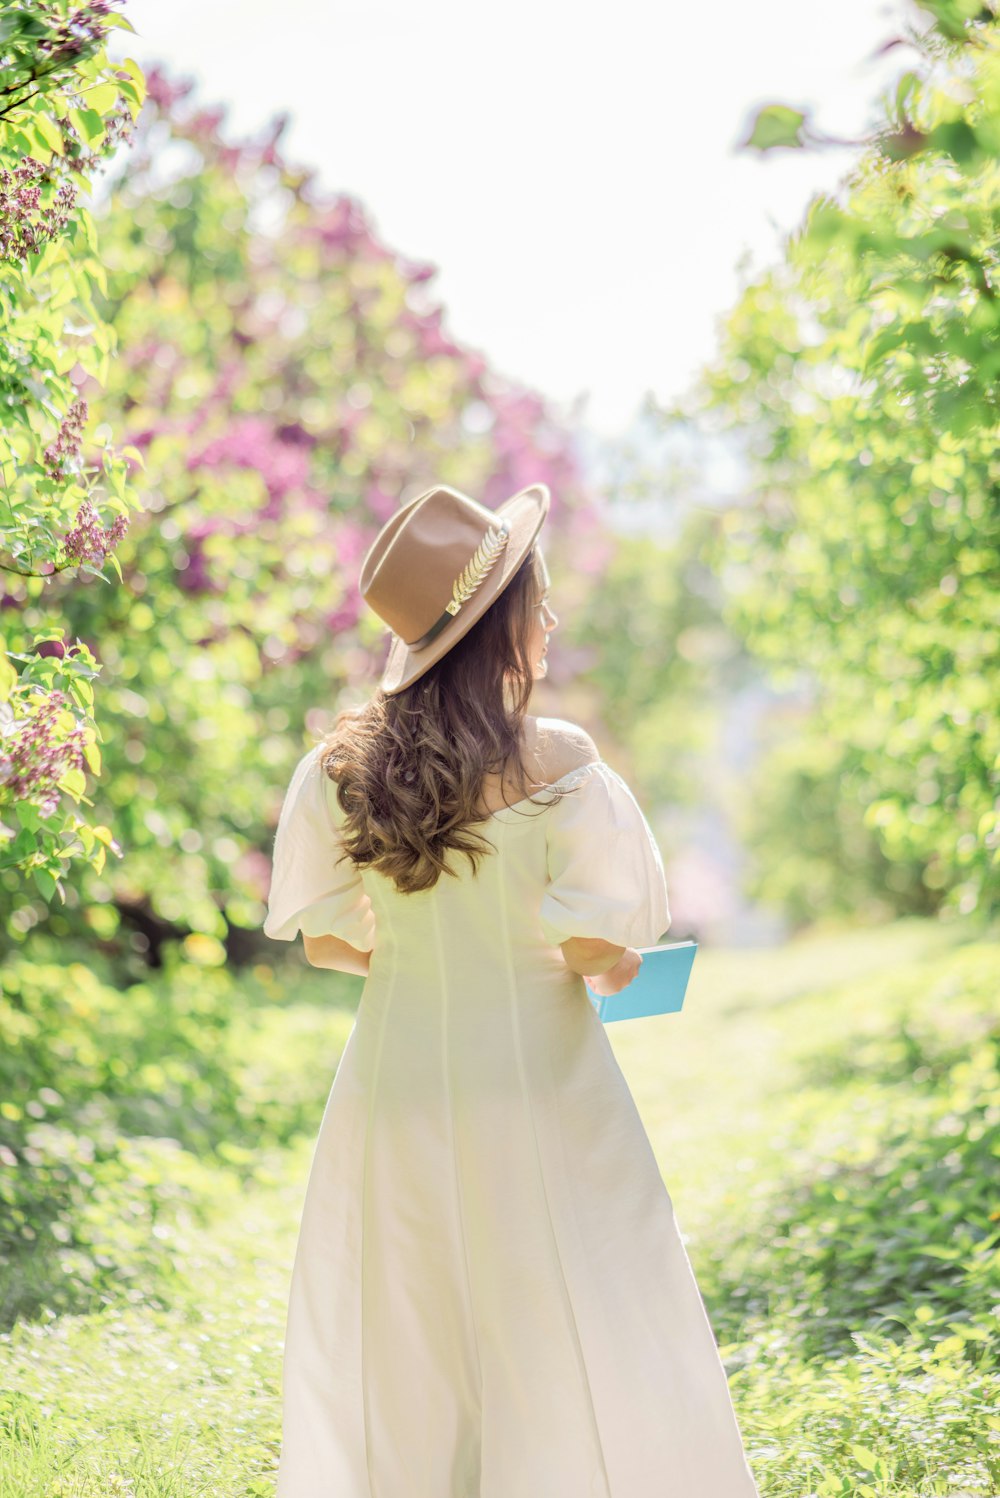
(826, 1117)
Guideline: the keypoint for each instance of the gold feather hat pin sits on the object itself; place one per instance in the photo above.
(436, 566)
(485, 555)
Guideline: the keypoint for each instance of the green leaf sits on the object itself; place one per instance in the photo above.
(8, 677)
(776, 125)
(45, 882)
(74, 782)
(89, 123)
(49, 132)
(958, 140)
(132, 68)
(103, 97)
(28, 815)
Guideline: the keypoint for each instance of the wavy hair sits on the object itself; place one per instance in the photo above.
(409, 768)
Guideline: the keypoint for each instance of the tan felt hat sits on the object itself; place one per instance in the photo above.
(436, 566)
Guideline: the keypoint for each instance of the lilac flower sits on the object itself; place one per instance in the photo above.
(61, 456)
(119, 127)
(88, 541)
(166, 92)
(82, 26)
(33, 760)
(193, 575)
(251, 442)
(26, 227)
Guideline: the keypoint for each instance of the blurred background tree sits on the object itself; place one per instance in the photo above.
(287, 379)
(64, 110)
(862, 561)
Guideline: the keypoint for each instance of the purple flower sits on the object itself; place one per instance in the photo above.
(88, 541)
(34, 759)
(62, 456)
(26, 226)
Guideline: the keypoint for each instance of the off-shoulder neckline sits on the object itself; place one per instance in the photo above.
(553, 785)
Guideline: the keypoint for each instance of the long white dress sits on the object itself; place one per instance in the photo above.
(490, 1297)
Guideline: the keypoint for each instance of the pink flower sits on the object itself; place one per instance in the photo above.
(62, 455)
(33, 760)
(163, 91)
(88, 541)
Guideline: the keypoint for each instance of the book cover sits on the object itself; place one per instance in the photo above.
(658, 987)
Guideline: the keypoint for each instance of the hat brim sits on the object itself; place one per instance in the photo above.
(526, 512)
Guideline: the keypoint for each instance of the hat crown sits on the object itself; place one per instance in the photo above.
(419, 563)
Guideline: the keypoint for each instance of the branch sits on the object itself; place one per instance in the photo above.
(34, 78)
(20, 572)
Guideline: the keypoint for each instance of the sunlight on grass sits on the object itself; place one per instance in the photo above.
(816, 1110)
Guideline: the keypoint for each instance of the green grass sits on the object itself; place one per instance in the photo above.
(826, 1119)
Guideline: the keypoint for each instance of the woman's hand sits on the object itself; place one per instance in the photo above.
(618, 977)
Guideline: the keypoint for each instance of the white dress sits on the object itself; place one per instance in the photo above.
(490, 1297)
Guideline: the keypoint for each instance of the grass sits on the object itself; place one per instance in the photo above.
(824, 1116)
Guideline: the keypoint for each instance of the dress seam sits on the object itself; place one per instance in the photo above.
(376, 1068)
(529, 1110)
(450, 1114)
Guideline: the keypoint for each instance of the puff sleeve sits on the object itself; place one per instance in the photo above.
(315, 888)
(605, 872)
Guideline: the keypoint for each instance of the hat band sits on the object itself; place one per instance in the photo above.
(468, 580)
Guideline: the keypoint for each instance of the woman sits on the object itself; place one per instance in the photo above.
(490, 1297)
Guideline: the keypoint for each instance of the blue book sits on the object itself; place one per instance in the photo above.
(657, 988)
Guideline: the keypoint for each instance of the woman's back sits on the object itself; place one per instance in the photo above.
(550, 748)
(584, 863)
(490, 1296)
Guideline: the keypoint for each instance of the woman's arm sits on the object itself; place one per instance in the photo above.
(330, 951)
(590, 955)
(607, 968)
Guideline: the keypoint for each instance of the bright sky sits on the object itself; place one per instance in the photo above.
(571, 168)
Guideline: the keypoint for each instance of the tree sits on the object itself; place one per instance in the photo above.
(866, 369)
(64, 109)
(288, 379)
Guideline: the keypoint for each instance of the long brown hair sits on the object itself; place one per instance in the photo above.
(409, 768)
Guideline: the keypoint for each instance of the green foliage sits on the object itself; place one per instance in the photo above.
(889, 1218)
(63, 109)
(866, 372)
(910, 1420)
(871, 1288)
(116, 1105)
(801, 814)
(287, 380)
(826, 1116)
(659, 656)
(777, 125)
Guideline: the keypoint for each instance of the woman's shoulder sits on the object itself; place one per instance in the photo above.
(559, 746)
